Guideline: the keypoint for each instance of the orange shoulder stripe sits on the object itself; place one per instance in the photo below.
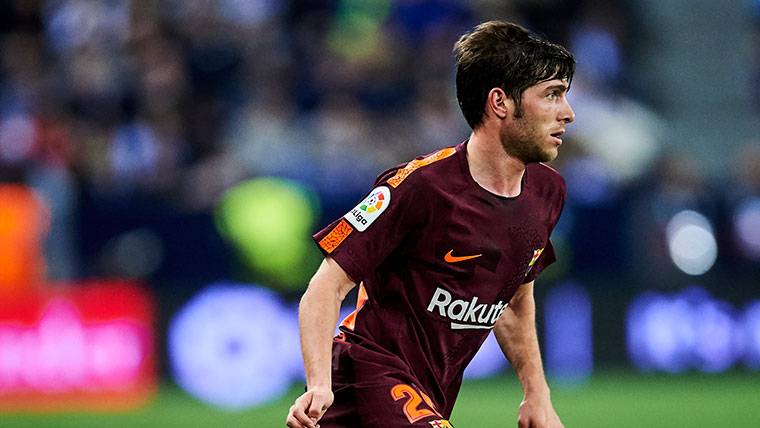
(404, 172)
(336, 236)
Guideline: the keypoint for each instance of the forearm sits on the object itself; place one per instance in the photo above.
(317, 316)
(516, 333)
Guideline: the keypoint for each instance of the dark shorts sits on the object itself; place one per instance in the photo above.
(375, 391)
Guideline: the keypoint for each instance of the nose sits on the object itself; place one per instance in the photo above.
(567, 114)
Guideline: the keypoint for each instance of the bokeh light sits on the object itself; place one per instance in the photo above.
(225, 346)
(688, 330)
(269, 221)
(691, 242)
(568, 334)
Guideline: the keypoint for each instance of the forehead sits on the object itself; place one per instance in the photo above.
(551, 83)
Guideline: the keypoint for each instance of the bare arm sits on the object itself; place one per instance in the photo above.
(515, 331)
(317, 316)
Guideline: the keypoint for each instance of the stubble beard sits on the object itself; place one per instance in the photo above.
(522, 143)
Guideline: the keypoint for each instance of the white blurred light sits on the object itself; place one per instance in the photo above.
(659, 333)
(691, 242)
(747, 227)
(715, 328)
(689, 330)
(226, 346)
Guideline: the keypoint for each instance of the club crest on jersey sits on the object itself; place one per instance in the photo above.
(368, 210)
(441, 423)
(536, 255)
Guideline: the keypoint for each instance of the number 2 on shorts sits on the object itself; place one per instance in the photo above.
(414, 398)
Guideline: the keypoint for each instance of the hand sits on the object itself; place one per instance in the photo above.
(309, 408)
(538, 413)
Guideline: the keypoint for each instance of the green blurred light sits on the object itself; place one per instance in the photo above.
(269, 222)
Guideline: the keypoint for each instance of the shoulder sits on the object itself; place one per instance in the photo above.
(547, 182)
(405, 191)
(546, 172)
(420, 173)
(546, 175)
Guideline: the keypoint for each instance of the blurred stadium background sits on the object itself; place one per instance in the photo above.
(163, 163)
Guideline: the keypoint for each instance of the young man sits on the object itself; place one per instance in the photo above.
(444, 249)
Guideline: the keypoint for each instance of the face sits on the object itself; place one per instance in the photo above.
(536, 135)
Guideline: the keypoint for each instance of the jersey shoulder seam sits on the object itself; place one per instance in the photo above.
(554, 173)
(402, 173)
(550, 168)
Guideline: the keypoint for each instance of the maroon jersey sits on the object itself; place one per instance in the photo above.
(439, 258)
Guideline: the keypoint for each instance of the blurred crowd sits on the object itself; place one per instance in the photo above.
(132, 117)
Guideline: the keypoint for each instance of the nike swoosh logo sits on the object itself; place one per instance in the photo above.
(454, 259)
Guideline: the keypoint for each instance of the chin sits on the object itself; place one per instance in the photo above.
(532, 151)
(547, 155)
(539, 157)
(550, 155)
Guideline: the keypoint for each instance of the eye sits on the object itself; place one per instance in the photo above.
(553, 95)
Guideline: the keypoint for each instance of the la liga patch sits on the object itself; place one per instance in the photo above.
(368, 210)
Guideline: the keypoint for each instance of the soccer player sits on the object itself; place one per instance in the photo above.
(445, 249)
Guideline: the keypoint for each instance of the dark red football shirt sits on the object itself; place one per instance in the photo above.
(438, 258)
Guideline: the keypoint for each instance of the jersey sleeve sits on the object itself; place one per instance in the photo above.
(364, 237)
(546, 256)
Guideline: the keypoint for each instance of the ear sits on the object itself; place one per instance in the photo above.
(499, 103)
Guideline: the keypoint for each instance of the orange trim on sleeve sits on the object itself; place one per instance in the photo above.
(361, 300)
(336, 236)
(404, 172)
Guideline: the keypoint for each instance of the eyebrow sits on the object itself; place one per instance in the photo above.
(561, 86)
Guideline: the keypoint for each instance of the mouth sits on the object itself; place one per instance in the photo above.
(557, 136)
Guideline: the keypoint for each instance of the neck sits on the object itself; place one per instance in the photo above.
(491, 167)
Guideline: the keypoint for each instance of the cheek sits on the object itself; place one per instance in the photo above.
(549, 113)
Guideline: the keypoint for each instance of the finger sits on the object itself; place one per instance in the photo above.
(555, 422)
(300, 415)
(291, 420)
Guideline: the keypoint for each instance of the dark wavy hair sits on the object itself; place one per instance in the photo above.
(499, 54)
